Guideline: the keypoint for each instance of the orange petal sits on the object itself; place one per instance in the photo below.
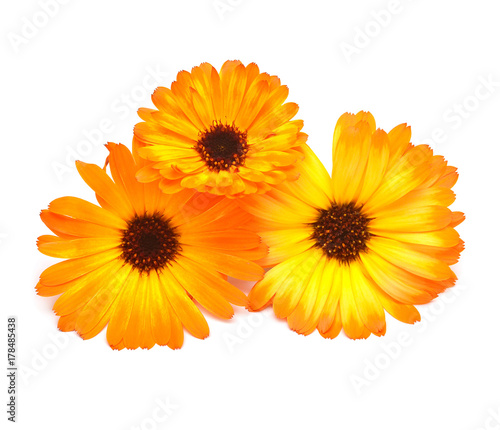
(78, 247)
(185, 309)
(72, 228)
(97, 179)
(67, 270)
(83, 210)
(214, 281)
(206, 296)
(225, 263)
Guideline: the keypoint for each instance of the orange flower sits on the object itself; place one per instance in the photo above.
(376, 236)
(139, 260)
(227, 133)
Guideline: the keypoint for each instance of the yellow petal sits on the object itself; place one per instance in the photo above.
(404, 256)
(378, 158)
(408, 172)
(349, 162)
(419, 219)
(369, 308)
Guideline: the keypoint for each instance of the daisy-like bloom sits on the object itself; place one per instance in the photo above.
(376, 236)
(139, 260)
(227, 133)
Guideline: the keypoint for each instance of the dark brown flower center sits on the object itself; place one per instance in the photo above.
(149, 242)
(222, 146)
(341, 232)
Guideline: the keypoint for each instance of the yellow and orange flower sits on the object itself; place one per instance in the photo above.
(139, 260)
(229, 133)
(376, 236)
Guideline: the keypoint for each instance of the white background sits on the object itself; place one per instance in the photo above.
(64, 75)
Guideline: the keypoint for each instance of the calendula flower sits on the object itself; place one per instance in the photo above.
(227, 133)
(137, 261)
(376, 236)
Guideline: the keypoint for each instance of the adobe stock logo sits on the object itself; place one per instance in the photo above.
(364, 34)
(492, 422)
(455, 116)
(161, 412)
(31, 26)
(121, 108)
(244, 330)
(390, 351)
(42, 358)
(222, 7)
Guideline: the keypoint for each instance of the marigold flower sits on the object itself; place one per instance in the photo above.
(139, 260)
(376, 236)
(227, 133)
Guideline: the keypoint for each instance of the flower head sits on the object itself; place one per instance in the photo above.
(139, 260)
(229, 133)
(376, 236)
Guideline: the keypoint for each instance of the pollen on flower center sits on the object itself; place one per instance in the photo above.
(222, 146)
(149, 242)
(341, 232)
